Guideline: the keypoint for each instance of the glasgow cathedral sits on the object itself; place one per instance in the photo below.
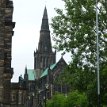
(38, 84)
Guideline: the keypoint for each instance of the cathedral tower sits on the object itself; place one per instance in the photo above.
(44, 56)
(6, 32)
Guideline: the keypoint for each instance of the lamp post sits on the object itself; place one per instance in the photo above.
(45, 97)
(39, 102)
(29, 101)
(98, 76)
(44, 100)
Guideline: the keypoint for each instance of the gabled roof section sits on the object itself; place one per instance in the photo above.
(61, 62)
(45, 72)
(31, 74)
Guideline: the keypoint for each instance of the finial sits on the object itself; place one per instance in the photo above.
(62, 54)
(25, 69)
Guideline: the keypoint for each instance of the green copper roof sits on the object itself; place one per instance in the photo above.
(31, 74)
(45, 72)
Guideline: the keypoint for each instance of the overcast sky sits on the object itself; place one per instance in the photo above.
(28, 16)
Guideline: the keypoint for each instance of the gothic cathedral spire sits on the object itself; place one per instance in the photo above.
(45, 40)
(45, 25)
(43, 57)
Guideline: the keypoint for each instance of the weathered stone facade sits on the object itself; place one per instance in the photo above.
(6, 32)
(18, 94)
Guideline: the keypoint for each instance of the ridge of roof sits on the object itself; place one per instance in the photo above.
(45, 72)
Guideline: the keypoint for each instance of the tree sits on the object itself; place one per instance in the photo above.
(103, 84)
(83, 81)
(77, 99)
(58, 100)
(74, 99)
(74, 30)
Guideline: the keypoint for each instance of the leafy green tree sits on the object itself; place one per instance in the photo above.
(103, 84)
(77, 99)
(74, 30)
(80, 80)
(50, 103)
(58, 100)
(74, 99)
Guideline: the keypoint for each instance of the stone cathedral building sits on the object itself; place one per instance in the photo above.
(40, 80)
(38, 83)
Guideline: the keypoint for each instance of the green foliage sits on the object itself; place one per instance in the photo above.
(58, 100)
(78, 99)
(103, 83)
(74, 30)
(74, 98)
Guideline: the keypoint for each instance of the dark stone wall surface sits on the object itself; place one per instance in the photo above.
(6, 32)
